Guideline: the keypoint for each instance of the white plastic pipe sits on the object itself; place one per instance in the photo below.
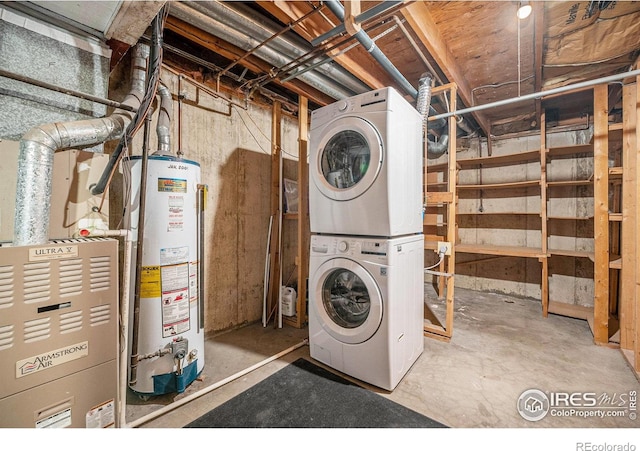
(213, 387)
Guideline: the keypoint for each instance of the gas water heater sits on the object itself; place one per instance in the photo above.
(166, 334)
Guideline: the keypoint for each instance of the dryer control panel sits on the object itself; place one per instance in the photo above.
(333, 245)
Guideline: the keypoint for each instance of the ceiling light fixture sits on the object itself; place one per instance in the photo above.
(524, 10)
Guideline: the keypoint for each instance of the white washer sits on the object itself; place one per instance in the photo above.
(365, 166)
(366, 305)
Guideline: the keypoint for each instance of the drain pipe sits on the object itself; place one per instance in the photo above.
(363, 38)
(38, 145)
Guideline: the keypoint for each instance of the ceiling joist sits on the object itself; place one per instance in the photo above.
(420, 20)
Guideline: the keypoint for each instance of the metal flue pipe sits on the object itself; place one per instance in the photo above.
(38, 145)
(163, 128)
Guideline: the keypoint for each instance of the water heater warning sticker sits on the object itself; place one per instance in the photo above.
(172, 185)
(175, 300)
(150, 282)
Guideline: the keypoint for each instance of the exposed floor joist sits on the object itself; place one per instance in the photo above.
(420, 19)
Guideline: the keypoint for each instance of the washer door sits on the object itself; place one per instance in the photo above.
(348, 160)
(347, 301)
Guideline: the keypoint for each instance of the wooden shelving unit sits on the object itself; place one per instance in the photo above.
(302, 218)
(442, 203)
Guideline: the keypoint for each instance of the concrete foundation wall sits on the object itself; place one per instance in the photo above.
(571, 279)
(232, 146)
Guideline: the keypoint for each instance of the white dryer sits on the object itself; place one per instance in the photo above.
(365, 166)
(366, 305)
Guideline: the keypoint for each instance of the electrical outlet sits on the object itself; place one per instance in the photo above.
(444, 245)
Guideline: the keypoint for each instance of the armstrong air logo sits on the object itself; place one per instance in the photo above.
(50, 359)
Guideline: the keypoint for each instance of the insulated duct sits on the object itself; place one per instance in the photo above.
(239, 25)
(38, 145)
(434, 148)
(163, 128)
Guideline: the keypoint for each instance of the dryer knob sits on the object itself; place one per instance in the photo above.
(343, 246)
(342, 105)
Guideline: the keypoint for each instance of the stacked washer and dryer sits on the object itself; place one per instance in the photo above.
(366, 269)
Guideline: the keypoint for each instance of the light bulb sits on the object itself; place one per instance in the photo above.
(524, 10)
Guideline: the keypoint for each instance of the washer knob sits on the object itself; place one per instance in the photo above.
(342, 105)
(343, 246)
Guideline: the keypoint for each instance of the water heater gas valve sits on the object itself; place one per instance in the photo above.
(179, 348)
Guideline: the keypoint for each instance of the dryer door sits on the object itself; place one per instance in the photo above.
(348, 160)
(347, 300)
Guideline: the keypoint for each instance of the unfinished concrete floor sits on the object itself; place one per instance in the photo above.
(501, 347)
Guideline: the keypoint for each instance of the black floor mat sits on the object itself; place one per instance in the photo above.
(304, 395)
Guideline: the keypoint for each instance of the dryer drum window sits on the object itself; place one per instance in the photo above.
(346, 298)
(345, 159)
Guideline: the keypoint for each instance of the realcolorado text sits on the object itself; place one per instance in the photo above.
(588, 446)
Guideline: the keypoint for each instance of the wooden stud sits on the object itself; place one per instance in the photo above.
(544, 262)
(303, 210)
(636, 319)
(601, 216)
(276, 210)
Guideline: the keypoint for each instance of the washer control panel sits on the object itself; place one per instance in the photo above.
(332, 245)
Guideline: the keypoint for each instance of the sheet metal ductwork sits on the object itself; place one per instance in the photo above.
(163, 128)
(423, 104)
(38, 145)
(244, 28)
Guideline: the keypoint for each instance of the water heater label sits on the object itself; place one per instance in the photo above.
(50, 359)
(52, 252)
(150, 282)
(172, 185)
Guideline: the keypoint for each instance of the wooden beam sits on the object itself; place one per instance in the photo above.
(132, 20)
(636, 320)
(276, 211)
(421, 21)
(288, 11)
(538, 49)
(601, 215)
(627, 312)
(232, 53)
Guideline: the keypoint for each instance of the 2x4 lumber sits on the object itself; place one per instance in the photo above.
(601, 216)
(422, 23)
(276, 210)
(571, 310)
(509, 251)
(636, 319)
(304, 229)
(544, 285)
(451, 213)
(497, 160)
(439, 198)
(194, 34)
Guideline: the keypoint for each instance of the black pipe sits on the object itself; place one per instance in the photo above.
(133, 375)
(70, 92)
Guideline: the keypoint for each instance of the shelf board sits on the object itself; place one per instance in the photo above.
(615, 217)
(499, 160)
(571, 218)
(510, 251)
(569, 150)
(290, 215)
(572, 253)
(616, 126)
(571, 310)
(437, 167)
(615, 171)
(615, 262)
(525, 184)
(497, 213)
(570, 183)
